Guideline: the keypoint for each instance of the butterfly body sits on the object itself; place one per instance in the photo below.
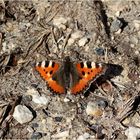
(65, 76)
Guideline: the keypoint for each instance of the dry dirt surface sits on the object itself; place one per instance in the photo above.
(104, 31)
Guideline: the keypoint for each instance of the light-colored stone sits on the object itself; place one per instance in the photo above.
(41, 8)
(31, 91)
(117, 14)
(116, 25)
(137, 24)
(22, 114)
(61, 135)
(60, 21)
(93, 109)
(132, 133)
(36, 97)
(85, 136)
(77, 34)
(42, 100)
(83, 41)
(71, 41)
(66, 100)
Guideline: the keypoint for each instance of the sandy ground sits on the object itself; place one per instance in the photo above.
(100, 31)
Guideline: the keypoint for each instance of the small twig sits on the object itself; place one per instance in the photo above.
(54, 39)
(66, 40)
(0, 42)
(40, 41)
(8, 119)
(103, 92)
(127, 110)
(106, 56)
(55, 13)
(99, 96)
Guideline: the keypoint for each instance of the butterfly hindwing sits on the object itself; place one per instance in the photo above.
(88, 72)
(47, 69)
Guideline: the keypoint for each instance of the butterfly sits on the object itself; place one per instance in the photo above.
(67, 76)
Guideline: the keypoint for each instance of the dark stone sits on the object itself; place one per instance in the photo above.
(99, 51)
(36, 135)
(58, 119)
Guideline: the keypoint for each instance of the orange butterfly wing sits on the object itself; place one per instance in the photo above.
(88, 72)
(47, 69)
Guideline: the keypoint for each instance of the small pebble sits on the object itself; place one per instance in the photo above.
(98, 129)
(85, 136)
(77, 34)
(61, 135)
(83, 41)
(119, 31)
(116, 25)
(62, 26)
(36, 97)
(93, 109)
(22, 114)
(27, 98)
(106, 86)
(132, 121)
(41, 100)
(60, 22)
(30, 129)
(66, 99)
(133, 133)
(134, 40)
(32, 91)
(71, 41)
(117, 14)
(35, 125)
(137, 24)
(36, 135)
(41, 9)
(137, 52)
(99, 51)
(58, 119)
(102, 104)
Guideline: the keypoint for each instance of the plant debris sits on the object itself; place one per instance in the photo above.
(99, 31)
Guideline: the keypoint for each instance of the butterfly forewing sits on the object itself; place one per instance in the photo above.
(88, 72)
(47, 69)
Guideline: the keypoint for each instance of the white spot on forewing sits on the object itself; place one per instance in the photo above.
(43, 64)
(50, 63)
(37, 64)
(93, 65)
(100, 65)
(85, 64)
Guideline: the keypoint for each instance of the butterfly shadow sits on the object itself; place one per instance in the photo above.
(111, 71)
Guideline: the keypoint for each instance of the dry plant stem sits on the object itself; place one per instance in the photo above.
(99, 96)
(104, 93)
(57, 11)
(0, 42)
(106, 56)
(39, 43)
(8, 119)
(20, 68)
(54, 39)
(66, 40)
(126, 110)
(42, 25)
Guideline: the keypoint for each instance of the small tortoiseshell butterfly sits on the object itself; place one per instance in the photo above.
(70, 76)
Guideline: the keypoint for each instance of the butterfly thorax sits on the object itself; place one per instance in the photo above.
(67, 72)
